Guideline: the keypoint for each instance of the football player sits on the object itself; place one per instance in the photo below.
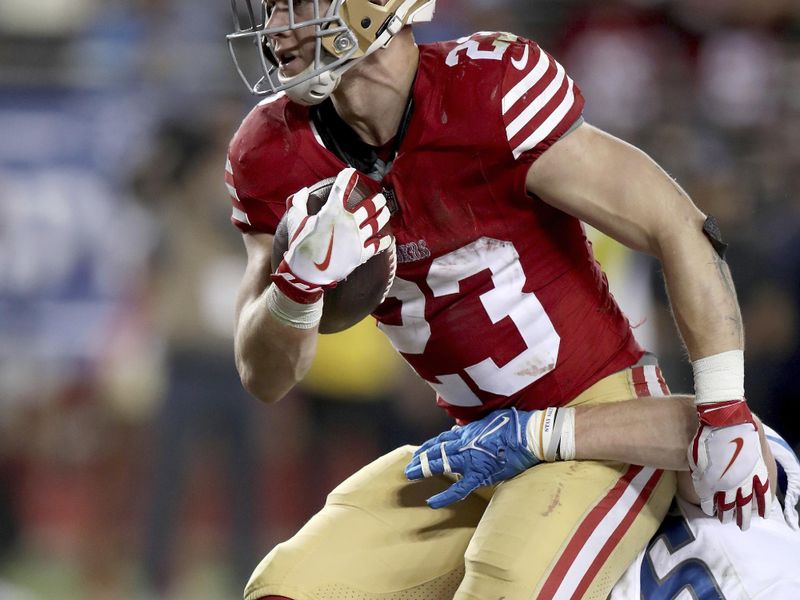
(485, 161)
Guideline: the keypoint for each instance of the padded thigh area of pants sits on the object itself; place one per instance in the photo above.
(375, 538)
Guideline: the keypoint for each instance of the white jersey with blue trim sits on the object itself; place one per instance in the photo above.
(695, 557)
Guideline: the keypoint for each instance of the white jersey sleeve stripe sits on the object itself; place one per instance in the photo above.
(527, 82)
(240, 215)
(534, 107)
(232, 191)
(549, 124)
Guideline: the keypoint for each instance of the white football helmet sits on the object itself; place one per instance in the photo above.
(345, 33)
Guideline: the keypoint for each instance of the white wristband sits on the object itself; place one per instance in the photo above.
(289, 312)
(566, 448)
(719, 377)
(551, 434)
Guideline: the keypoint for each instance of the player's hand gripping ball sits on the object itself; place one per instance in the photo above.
(340, 243)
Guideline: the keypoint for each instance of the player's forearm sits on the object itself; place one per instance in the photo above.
(699, 284)
(644, 431)
(701, 292)
(271, 357)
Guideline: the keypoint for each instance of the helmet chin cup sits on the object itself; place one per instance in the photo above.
(311, 91)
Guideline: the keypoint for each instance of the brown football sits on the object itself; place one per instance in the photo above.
(358, 295)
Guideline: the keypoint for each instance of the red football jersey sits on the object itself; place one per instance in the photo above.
(498, 300)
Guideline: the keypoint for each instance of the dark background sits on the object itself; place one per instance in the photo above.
(132, 465)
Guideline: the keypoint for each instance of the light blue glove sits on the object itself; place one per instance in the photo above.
(484, 452)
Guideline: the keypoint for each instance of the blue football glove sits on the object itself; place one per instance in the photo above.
(484, 452)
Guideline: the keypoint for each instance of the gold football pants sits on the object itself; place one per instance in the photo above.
(560, 530)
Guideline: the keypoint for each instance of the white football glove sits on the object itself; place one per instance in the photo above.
(325, 248)
(727, 465)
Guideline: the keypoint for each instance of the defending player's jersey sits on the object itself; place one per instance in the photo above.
(695, 556)
(498, 300)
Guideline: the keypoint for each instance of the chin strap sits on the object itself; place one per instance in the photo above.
(314, 90)
(318, 88)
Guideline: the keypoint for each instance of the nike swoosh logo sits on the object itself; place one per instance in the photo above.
(523, 60)
(327, 260)
(487, 431)
(739, 443)
(500, 425)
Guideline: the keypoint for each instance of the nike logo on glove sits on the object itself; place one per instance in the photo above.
(739, 443)
(487, 431)
(327, 260)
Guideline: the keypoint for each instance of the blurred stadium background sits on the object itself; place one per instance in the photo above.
(132, 465)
